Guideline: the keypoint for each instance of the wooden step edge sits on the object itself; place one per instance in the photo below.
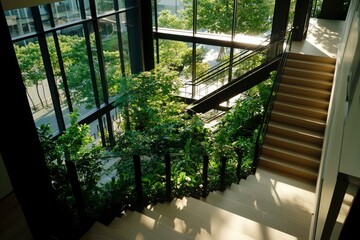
(304, 88)
(290, 169)
(311, 72)
(300, 79)
(313, 63)
(312, 58)
(300, 117)
(314, 161)
(304, 98)
(302, 108)
(292, 141)
(296, 129)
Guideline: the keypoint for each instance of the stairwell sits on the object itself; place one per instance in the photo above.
(294, 138)
(277, 201)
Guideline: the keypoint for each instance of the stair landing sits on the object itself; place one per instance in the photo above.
(265, 206)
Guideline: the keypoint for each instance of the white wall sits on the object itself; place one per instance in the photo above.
(350, 152)
(5, 185)
(338, 113)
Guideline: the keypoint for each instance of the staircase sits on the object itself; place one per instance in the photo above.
(267, 205)
(277, 201)
(294, 138)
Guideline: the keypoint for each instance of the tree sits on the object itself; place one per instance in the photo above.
(31, 65)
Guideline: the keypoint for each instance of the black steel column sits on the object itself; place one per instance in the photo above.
(19, 144)
(280, 23)
(134, 35)
(147, 34)
(301, 19)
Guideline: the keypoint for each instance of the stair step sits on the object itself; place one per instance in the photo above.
(311, 58)
(310, 74)
(300, 110)
(310, 65)
(284, 185)
(289, 156)
(306, 82)
(296, 146)
(298, 121)
(287, 167)
(304, 91)
(179, 218)
(136, 225)
(99, 231)
(301, 100)
(236, 225)
(259, 206)
(297, 133)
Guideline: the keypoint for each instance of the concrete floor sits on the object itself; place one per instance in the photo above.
(323, 38)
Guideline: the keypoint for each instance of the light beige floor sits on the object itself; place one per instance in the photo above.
(323, 38)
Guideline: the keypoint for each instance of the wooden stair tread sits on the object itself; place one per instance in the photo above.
(293, 141)
(304, 100)
(260, 207)
(136, 224)
(308, 73)
(300, 109)
(289, 165)
(297, 129)
(98, 231)
(302, 88)
(292, 153)
(298, 80)
(312, 58)
(237, 224)
(310, 64)
(305, 118)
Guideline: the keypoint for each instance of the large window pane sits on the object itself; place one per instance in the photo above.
(215, 16)
(104, 6)
(63, 12)
(20, 21)
(254, 17)
(176, 14)
(77, 68)
(37, 87)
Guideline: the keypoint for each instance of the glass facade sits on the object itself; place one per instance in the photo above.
(73, 52)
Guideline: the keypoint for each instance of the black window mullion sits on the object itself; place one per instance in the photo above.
(60, 59)
(48, 68)
(120, 40)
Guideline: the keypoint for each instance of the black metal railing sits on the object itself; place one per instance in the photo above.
(271, 100)
(232, 69)
(222, 70)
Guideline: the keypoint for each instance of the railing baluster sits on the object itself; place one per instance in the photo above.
(205, 176)
(222, 173)
(138, 183)
(76, 189)
(168, 177)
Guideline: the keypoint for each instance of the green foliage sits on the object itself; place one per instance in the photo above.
(75, 145)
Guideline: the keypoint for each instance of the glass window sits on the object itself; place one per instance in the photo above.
(175, 14)
(37, 87)
(20, 22)
(104, 6)
(254, 17)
